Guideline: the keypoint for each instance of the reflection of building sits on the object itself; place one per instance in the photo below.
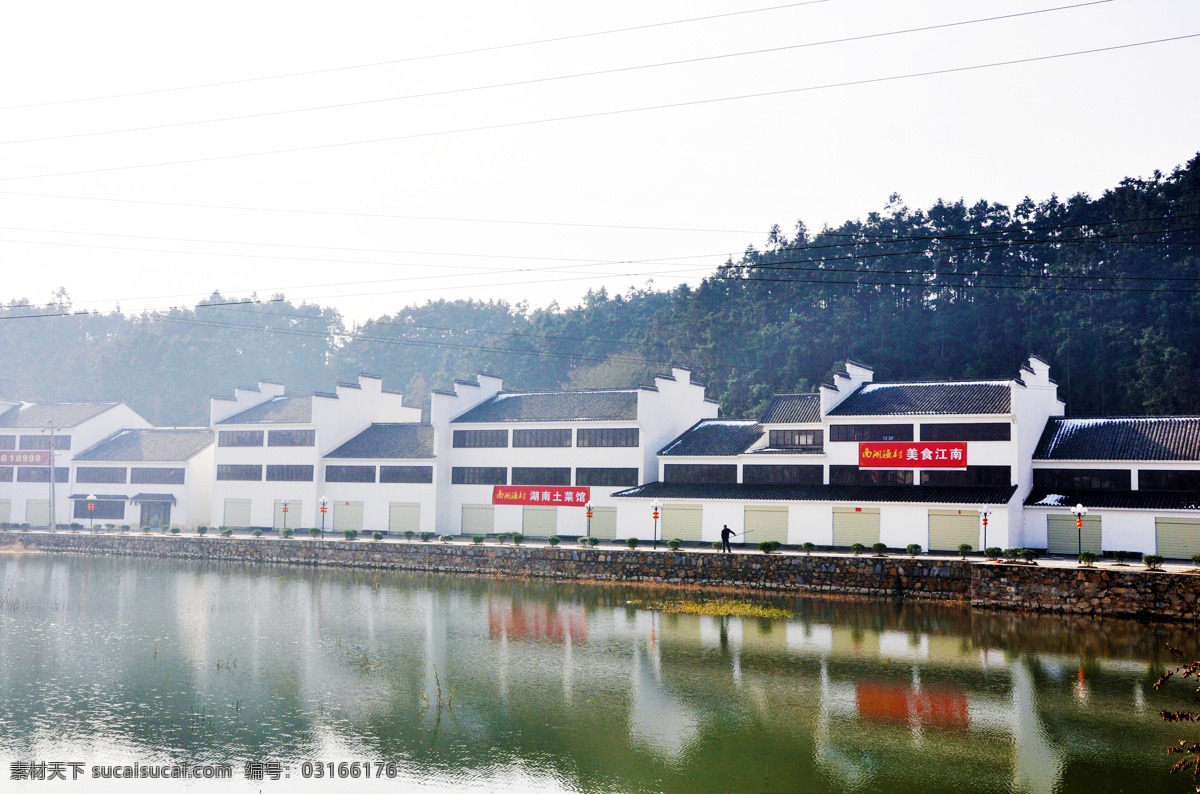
(536, 621)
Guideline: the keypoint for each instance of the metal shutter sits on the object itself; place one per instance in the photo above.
(347, 515)
(1178, 538)
(5, 510)
(237, 513)
(478, 519)
(404, 516)
(604, 523)
(37, 512)
(766, 522)
(1062, 537)
(293, 515)
(949, 529)
(855, 525)
(539, 522)
(682, 521)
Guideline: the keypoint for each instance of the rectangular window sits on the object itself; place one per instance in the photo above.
(626, 478)
(797, 439)
(1168, 480)
(240, 438)
(349, 474)
(761, 474)
(699, 473)
(607, 437)
(291, 438)
(870, 432)
(106, 509)
(105, 474)
(411, 474)
(973, 477)
(139, 476)
(479, 475)
(852, 475)
(548, 437)
(43, 442)
(967, 431)
(289, 473)
(42, 474)
(248, 472)
(540, 476)
(479, 439)
(1083, 479)
(8, 442)
(6, 473)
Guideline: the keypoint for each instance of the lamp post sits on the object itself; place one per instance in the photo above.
(588, 507)
(91, 505)
(324, 502)
(984, 514)
(656, 507)
(283, 508)
(1079, 511)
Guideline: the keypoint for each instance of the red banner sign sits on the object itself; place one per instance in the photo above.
(551, 495)
(912, 455)
(25, 458)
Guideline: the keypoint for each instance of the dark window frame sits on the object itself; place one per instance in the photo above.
(342, 472)
(541, 437)
(966, 431)
(141, 475)
(478, 475)
(700, 473)
(240, 438)
(540, 475)
(413, 475)
(805, 438)
(102, 475)
(40, 474)
(971, 477)
(8, 442)
(290, 472)
(8, 473)
(611, 477)
(106, 510)
(292, 438)
(853, 475)
(608, 437)
(233, 472)
(43, 442)
(1083, 479)
(1185, 480)
(783, 474)
(862, 433)
(480, 439)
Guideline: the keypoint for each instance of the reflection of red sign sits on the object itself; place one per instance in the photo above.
(25, 458)
(552, 495)
(912, 455)
(880, 702)
(537, 622)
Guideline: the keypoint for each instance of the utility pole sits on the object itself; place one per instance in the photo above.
(52, 522)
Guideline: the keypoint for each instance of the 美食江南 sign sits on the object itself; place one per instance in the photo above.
(912, 455)
(548, 495)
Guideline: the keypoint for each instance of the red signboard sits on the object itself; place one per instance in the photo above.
(25, 458)
(912, 455)
(552, 495)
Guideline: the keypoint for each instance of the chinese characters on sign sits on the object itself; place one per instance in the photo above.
(25, 458)
(912, 455)
(551, 495)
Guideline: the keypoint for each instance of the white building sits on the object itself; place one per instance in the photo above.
(383, 479)
(26, 427)
(145, 477)
(562, 447)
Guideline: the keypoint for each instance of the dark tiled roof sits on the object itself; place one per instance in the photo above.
(792, 408)
(715, 437)
(1129, 438)
(99, 496)
(391, 440)
(40, 415)
(824, 493)
(285, 409)
(1131, 500)
(900, 399)
(154, 444)
(555, 406)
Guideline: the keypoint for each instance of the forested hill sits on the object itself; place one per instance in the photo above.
(1106, 289)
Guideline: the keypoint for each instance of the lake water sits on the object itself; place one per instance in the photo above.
(468, 684)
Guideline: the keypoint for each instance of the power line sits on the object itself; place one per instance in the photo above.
(604, 113)
(540, 80)
(414, 58)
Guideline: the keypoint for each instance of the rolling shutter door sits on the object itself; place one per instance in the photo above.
(539, 522)
(347, 515)
(293, 514)
(855, 525)
(37, 512)
(682, 521)
(478, 519)
(5, 510)
(766, 522)
(1063, 538)
(1178, 538)
(237, 513)
(404, 516)
(949, 529)
(604, 523)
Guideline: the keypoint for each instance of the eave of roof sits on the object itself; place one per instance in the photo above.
(1123, 500)
(855, 494)
(934, 398)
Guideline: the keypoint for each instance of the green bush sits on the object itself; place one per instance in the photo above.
(1087, 559)
(226, 532)
(314, 532)
(257, 533)
(350, 534)
(286, 532)
(583, 540)
(554, 540)
(75, 526)
(593, 542)
(146, 530)
(376, 536)
(1121, 557)
(1196, 560)
(125, 527)
(503, 538)
(674, 544)
(768, 546)
(174, 530)
(517, 538)
(993, 552)
(1028, 555)
(446, 538)
(1153, 562)
(808, 546)
(201, 530)
(964, 549)
(631, 542)
(880, 549)
(857, 549)
(1011, 554)
(913, 549)
(109, 527)
(25, 526)
(477, 539)
(717, 545)
(426, 537)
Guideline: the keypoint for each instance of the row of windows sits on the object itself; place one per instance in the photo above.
(972, 477)
(797, 439)
(706, 473)
(962, 431)
(754, 474)
(870, 432)
(542, 437)
(852, 475)
(498, 475)
(387, 474)
(1168, 480)
(1083, 479)
(35, 442)
(36, 474)
(249, 472)
(547, 437)
(275, 438)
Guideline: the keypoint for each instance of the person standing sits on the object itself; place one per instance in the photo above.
(726, 534)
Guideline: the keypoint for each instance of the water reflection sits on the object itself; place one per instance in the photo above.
(470, 684)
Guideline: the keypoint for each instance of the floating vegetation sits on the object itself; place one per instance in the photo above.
(717, 607)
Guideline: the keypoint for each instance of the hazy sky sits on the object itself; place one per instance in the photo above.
(424, 203)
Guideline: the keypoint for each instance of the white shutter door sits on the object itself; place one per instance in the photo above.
(237, 513)
(347, 515)
(766, 522)
(539, 522)
(478, 519)
(37, 512)
(5, 510)
(855, 525)
(1177, 538)
(404, 516)
(682, 521)
(949, 529)
(1062, 535)
(293, 513)
(604, 523)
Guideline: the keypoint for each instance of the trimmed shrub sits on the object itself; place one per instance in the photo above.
(1087, 559)
(504, 538)
(446, 538)
(964, 549)
(517, 537)
(583, 540)
(376, 536)
(226, 532)
(1153, 562)
(75, 526)
(350, 534)
(1122, 556)
(880, 549)
(1011, 554)
(125, 527)
(426, 537)
(109, 527)
(1196, 560)
(146, 530)
(554, 540)
(993, 552)
(201, 530)
(174, 530)
(913, 549)
(314, 532)
(808, 546)
(25, 526)
(674, 543)
(257, 533)
(857, 549)
(631, 542)
(477, 539)
(593, 542)
(409, 535)
(286, 532)
(1028, 555)
(717, 545)
(769, 546)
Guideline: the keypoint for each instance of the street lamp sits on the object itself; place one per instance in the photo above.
(91, 504)
(324, 502)
(588, 507)
(985, 514)
(656, 507)
(283, 506)
(1079, 511)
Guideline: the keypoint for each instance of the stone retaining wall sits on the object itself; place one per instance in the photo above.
(1126, 593)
